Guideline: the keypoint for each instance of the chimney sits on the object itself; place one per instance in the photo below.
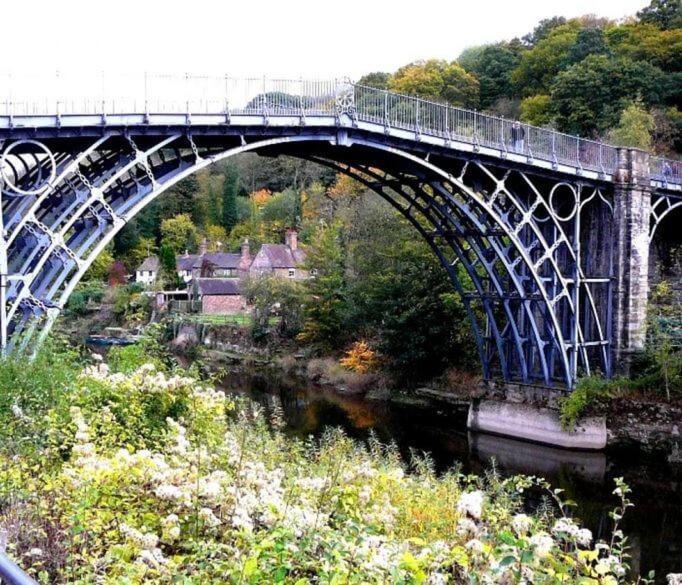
(245, 260)
(291, 239)
(202, 247)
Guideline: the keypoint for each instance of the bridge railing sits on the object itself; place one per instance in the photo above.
(458, 124)
(184, 94)
(665, 169)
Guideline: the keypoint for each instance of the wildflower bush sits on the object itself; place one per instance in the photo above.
(152, 475)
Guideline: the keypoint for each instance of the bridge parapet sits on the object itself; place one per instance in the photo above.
(224, 97)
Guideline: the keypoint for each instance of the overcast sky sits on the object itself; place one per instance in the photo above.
(309, 38)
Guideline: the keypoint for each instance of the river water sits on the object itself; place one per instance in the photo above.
(654, 526)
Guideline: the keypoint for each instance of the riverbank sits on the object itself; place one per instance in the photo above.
(148, 474)
(633, 419)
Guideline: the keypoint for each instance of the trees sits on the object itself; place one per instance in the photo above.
(280, 211)
(537, 110)
(179, 233)
(230, 188)
(588, 41)
(325, 307)
(437, 79)
(216, 238)
(539, 66)
(543, 30)
(270, 296)
(665, 14)
(377, 80)
(635, 127)
(589, 96)
(493, 66)
(99, 269)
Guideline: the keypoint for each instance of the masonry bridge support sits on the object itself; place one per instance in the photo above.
(546, 239)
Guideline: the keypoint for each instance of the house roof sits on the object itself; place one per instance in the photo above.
(282, 256)
(185, 262)
(218, 286)
(218, 260)
(150, 263)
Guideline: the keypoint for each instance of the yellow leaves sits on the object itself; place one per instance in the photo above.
(360, 358)
(261, 197)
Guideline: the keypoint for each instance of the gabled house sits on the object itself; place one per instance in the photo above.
(221, 296)
(184, 266)
(148, 271)
(283, 260)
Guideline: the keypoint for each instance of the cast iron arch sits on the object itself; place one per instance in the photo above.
(55, 233)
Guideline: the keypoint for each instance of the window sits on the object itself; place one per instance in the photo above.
(292, 272)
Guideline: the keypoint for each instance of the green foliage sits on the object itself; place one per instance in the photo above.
(282, 210)
(665, 14)
(230, 190)
(540, 65)
(493, 67)
(99, 269)
(439, 80)
(543, 30)
(377, 80)
(129, 304)
(634, 128)
(179, 233)
(588, 41)
(590, 394)
(271, 297)
(325, 307)
(537, 110)
(148, 350)
(588, 97)
(154, 476)
(84, 293)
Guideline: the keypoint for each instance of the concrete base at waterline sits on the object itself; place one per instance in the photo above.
(541, 425)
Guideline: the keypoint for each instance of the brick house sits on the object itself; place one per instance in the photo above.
(213, 264)
(284, 260)
(219, 296)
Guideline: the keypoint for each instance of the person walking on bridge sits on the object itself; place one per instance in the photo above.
(518, 136)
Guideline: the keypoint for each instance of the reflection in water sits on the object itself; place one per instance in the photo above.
(654, 526)
(531, 459)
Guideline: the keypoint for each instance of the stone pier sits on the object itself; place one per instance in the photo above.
(632, 212)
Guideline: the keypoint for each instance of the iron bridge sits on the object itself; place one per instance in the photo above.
(526, 229)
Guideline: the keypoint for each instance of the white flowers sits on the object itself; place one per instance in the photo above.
(475, 546)
(542, 544)
(471, 503)
(144, 540)
(466, 527)
(566, 529)
(209, 518)
(521, 523)
(583, 537)
(18, 412)
(171, 527)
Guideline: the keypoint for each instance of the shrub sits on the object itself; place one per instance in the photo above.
(166, 480)
(360, 358)
(591, 393)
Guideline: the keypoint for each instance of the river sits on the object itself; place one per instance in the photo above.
(654, 526)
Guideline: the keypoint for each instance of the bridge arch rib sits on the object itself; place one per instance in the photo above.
(522, 266)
